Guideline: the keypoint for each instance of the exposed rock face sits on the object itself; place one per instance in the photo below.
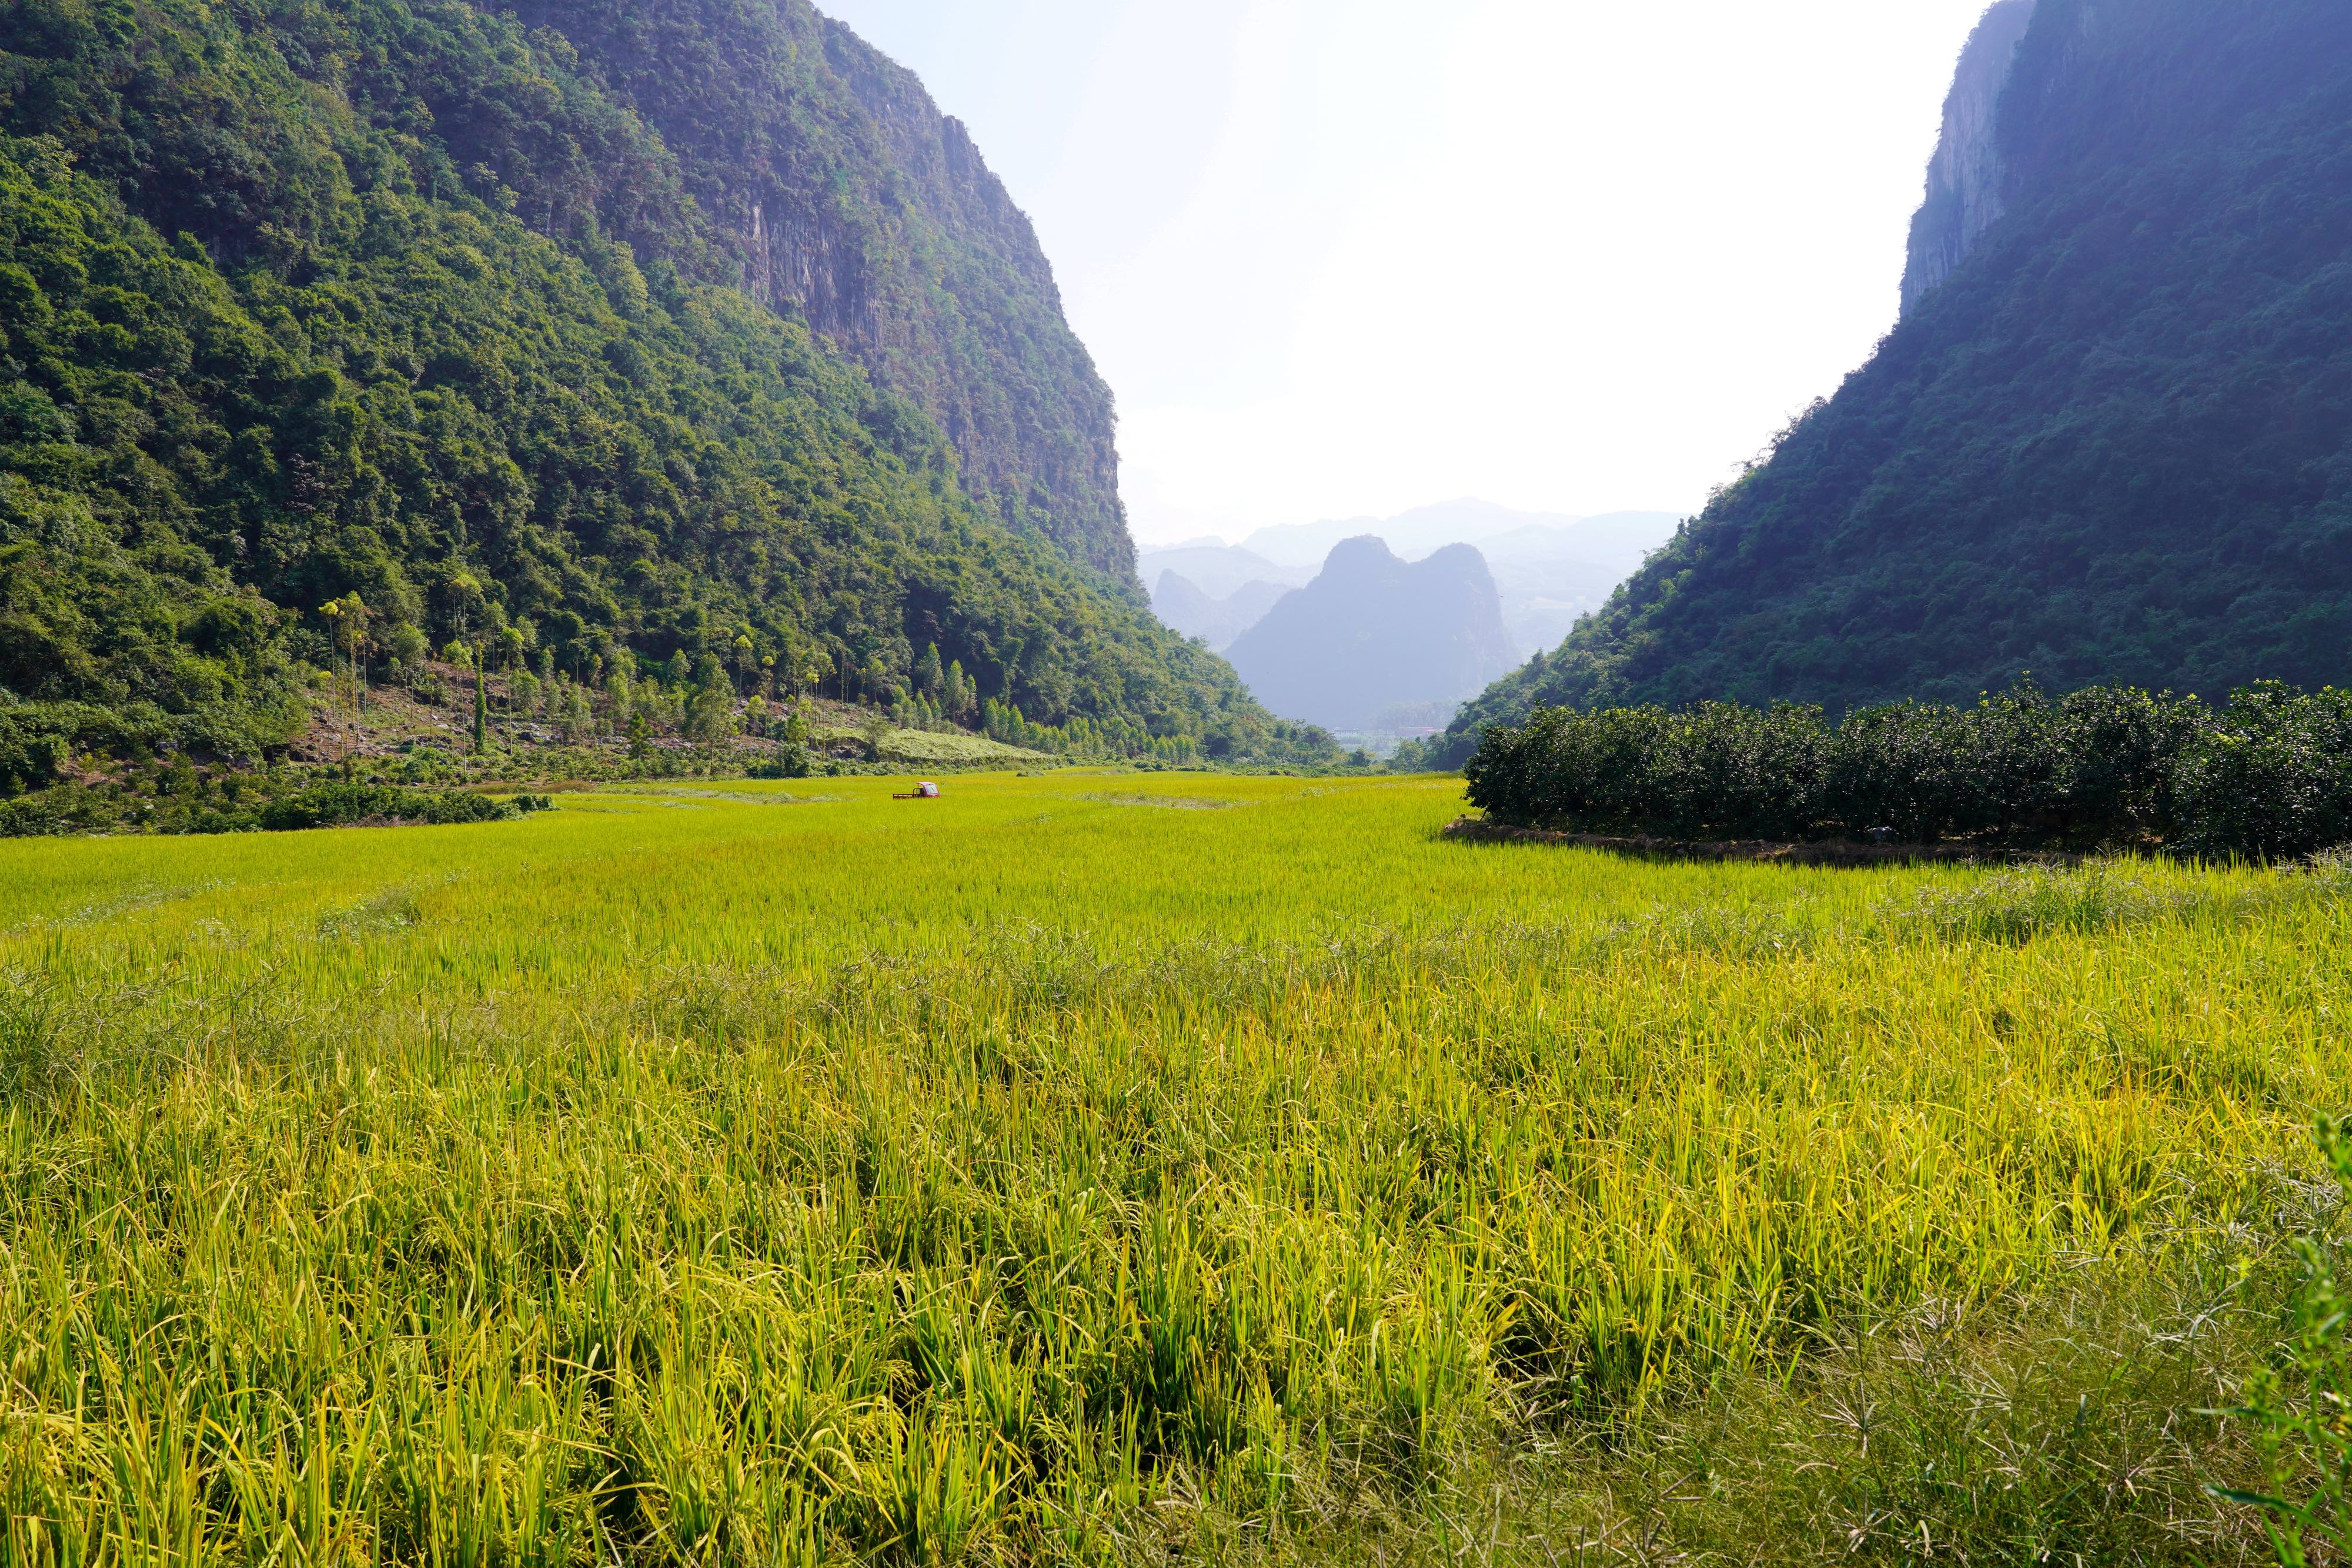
(2113, 447)
(838, 193)
(1967, 180)
(1371, 633)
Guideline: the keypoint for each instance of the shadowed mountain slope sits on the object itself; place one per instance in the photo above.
(2114, 443)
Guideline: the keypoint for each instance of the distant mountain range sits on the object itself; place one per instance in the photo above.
(1219, 569)
(1411, 534)
(1186, 607)
(1550, 570)
(1373, 633)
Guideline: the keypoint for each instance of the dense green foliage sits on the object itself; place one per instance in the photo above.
(36, 739)
(2115, 447)
(340, 805)
(1172, 1171)
(179, 799)
(829, 184)
(276, 334)
(2269, 775)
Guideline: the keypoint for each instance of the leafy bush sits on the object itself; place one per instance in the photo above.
(2273, 777)
(53, 811)
(1765, 770)
(792, 762)
(36, 738)
(340, 805)
(2269, 777)
(1918, 771)
(32, 750)
(181, 808)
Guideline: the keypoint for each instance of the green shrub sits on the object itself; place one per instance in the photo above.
(1759, 775)
(31, 750)
(2274, 778)
(792, 762)
(36, 738)
(340, 805)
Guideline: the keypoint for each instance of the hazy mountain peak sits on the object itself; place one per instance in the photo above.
(1365, 558)
(1373, 632)
(1550, 569)
(1411, 534)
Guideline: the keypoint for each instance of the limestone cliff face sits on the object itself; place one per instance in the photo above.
(1967, 179)
(837, 191)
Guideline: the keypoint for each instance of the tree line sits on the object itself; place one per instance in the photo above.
(2267, 775)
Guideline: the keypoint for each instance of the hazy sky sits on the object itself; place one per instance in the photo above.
(1349, 256)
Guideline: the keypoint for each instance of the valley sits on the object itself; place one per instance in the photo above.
(635, 933)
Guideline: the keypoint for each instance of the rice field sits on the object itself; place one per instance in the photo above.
(1077, 1168)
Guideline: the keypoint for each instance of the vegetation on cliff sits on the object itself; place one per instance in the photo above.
(277, 332)
(2116, 444)
(825, 180)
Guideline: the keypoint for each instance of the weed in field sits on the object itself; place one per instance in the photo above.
(394, 909)
(30, 1034)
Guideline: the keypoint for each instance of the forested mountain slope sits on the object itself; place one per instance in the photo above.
(2114, 444)
(833, 187)
(360, 295)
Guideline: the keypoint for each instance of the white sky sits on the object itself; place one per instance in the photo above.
(1340, 258)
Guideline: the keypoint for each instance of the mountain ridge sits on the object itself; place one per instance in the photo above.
(2114, 445)
(329, 301)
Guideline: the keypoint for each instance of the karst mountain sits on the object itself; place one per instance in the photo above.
(2110, 439)
(635, 329)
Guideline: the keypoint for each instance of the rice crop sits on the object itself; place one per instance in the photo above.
(719, 1175)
